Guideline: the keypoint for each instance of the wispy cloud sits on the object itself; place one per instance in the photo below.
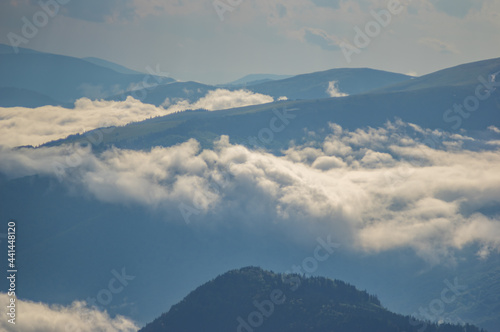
(222, 99)
(438, 45)
(333, 90)
(322, 39)
(40, 317)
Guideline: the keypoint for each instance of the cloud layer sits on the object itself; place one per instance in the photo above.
(222, 99)
(376, 188)
(26, 126)
(40, 317)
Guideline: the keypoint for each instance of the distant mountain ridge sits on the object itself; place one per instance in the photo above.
(424, 106)
(316, 85)
(251, 299)
(253, 78)
(465, 75)
(111, 65)
(66, 79)
(7, 49)
(16, 97)
(174, 92)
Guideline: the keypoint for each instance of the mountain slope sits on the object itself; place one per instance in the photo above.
(7, 49)
(176, 91)
(252, 298)
(422, 107)
(252, 78)
(307, 86)
(65, 78)
(12, 97)
(111, 65)
(427, 107)
(316, 85)
(465, 75)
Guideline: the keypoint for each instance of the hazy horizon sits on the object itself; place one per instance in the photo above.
(218, 42)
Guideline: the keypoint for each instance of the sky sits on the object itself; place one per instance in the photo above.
(217, 41)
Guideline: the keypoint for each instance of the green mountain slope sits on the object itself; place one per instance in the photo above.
(252, 299)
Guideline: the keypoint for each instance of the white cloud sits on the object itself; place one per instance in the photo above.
(376, 159)
(223, 99)
(40, 317)
(325, 163)
(28, 161)
(376, 188)
(333, 90)
(26, 126)
(494, 129)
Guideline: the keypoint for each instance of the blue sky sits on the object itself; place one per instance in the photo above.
(222, 40)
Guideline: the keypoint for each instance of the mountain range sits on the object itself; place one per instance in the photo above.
(428, 105)
(60, 80)
(65, 225)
